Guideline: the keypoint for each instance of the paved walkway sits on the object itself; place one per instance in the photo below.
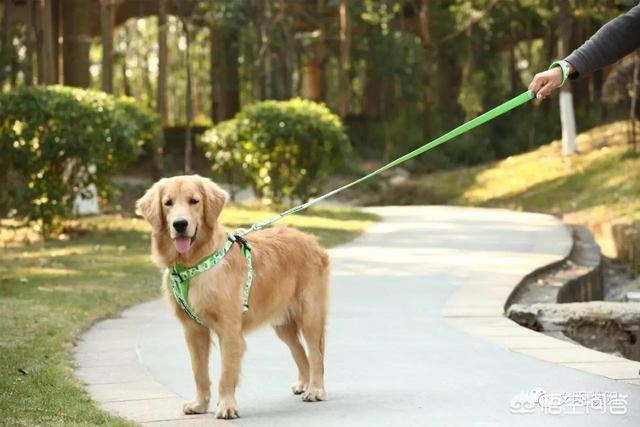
(415, 338)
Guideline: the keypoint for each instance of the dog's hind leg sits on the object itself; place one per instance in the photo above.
(199, 342)
(232, 347)
(289, 333)
(313, 319)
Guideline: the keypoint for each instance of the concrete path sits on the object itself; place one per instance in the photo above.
(415, 338)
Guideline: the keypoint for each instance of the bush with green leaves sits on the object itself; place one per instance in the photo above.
(284, 149)
(55, 141)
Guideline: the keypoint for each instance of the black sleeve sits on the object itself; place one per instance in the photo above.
(610, 43)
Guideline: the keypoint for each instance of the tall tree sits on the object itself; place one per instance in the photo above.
(161, 97)
(318, 58)
(29, 42)
(161, 102)
(343, 59)
(427, 48)
(76, 22)
(6, 45)
(224, 72)
(567, 115)
(188, 143)
(47, 43)
(633, 110)
(107, 11)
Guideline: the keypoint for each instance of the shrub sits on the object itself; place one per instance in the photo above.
(221, 146)
(55, 141)
(285, 149)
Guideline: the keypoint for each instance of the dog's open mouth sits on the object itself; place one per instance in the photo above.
(183, 243)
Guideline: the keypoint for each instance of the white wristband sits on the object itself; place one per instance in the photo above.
(564, 66)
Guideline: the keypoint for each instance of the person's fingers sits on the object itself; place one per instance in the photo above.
(546, 90)
(536, 83)
(545, 82)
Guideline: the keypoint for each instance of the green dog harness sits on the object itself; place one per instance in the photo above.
(179, 275)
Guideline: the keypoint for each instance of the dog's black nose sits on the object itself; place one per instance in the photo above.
(180, 225)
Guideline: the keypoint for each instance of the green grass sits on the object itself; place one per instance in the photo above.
(51, 293)
(601, 183)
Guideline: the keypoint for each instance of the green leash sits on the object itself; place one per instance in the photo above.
(464, 128)
(179, 275)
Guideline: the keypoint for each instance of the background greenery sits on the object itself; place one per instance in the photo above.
(284, 149)
(413, 69)
(57, 140)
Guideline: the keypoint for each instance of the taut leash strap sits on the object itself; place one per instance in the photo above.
(179, 275)
(464, 128)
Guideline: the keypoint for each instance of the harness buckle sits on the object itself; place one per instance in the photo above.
(236, 237)
(175, 273)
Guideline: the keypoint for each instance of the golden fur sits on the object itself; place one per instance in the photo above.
(290, 289)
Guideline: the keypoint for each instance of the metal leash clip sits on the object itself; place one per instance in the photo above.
(237, 237)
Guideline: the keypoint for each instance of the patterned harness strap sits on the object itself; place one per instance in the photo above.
(179, 276)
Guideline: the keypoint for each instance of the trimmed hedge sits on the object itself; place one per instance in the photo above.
(284, 149)
(55, 141)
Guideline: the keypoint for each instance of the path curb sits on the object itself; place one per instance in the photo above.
(492, 324)
(109, 367)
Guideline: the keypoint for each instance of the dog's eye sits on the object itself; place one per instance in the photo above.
(193, 201)
(168, 203)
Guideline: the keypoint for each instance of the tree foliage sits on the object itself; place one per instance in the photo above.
(413, 71)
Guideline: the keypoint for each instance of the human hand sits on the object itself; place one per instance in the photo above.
(545, 82)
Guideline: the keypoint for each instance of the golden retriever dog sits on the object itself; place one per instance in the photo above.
(290, 288)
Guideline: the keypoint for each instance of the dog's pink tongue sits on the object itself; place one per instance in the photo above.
(182, 243)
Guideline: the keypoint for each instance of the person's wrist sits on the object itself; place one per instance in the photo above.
(564, 67)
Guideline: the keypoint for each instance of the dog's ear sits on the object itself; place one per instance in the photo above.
(149, 205)
(215, 198)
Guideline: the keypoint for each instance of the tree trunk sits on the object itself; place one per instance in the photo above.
(161, 101)
(550, 46)
(315, 77)
(513, 72)
(76, 19)
(47, 41)
(225, 81)
(343, 59)
(633, 110)
(427, 48)
(6, 46)
(598, 83)
(372, 87)
(107, 12)
(286, 51)
(56, 26)
(256, 52)
(216, 46)
(29, 42)
(162, 62)
(265, 43)
(317, 60)
(188, 100)
(567, 116)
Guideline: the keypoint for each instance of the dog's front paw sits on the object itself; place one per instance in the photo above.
(227, 410)
(314, 395)
(298, 387)
(195, 407)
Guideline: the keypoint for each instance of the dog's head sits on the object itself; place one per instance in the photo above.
(183, 209)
